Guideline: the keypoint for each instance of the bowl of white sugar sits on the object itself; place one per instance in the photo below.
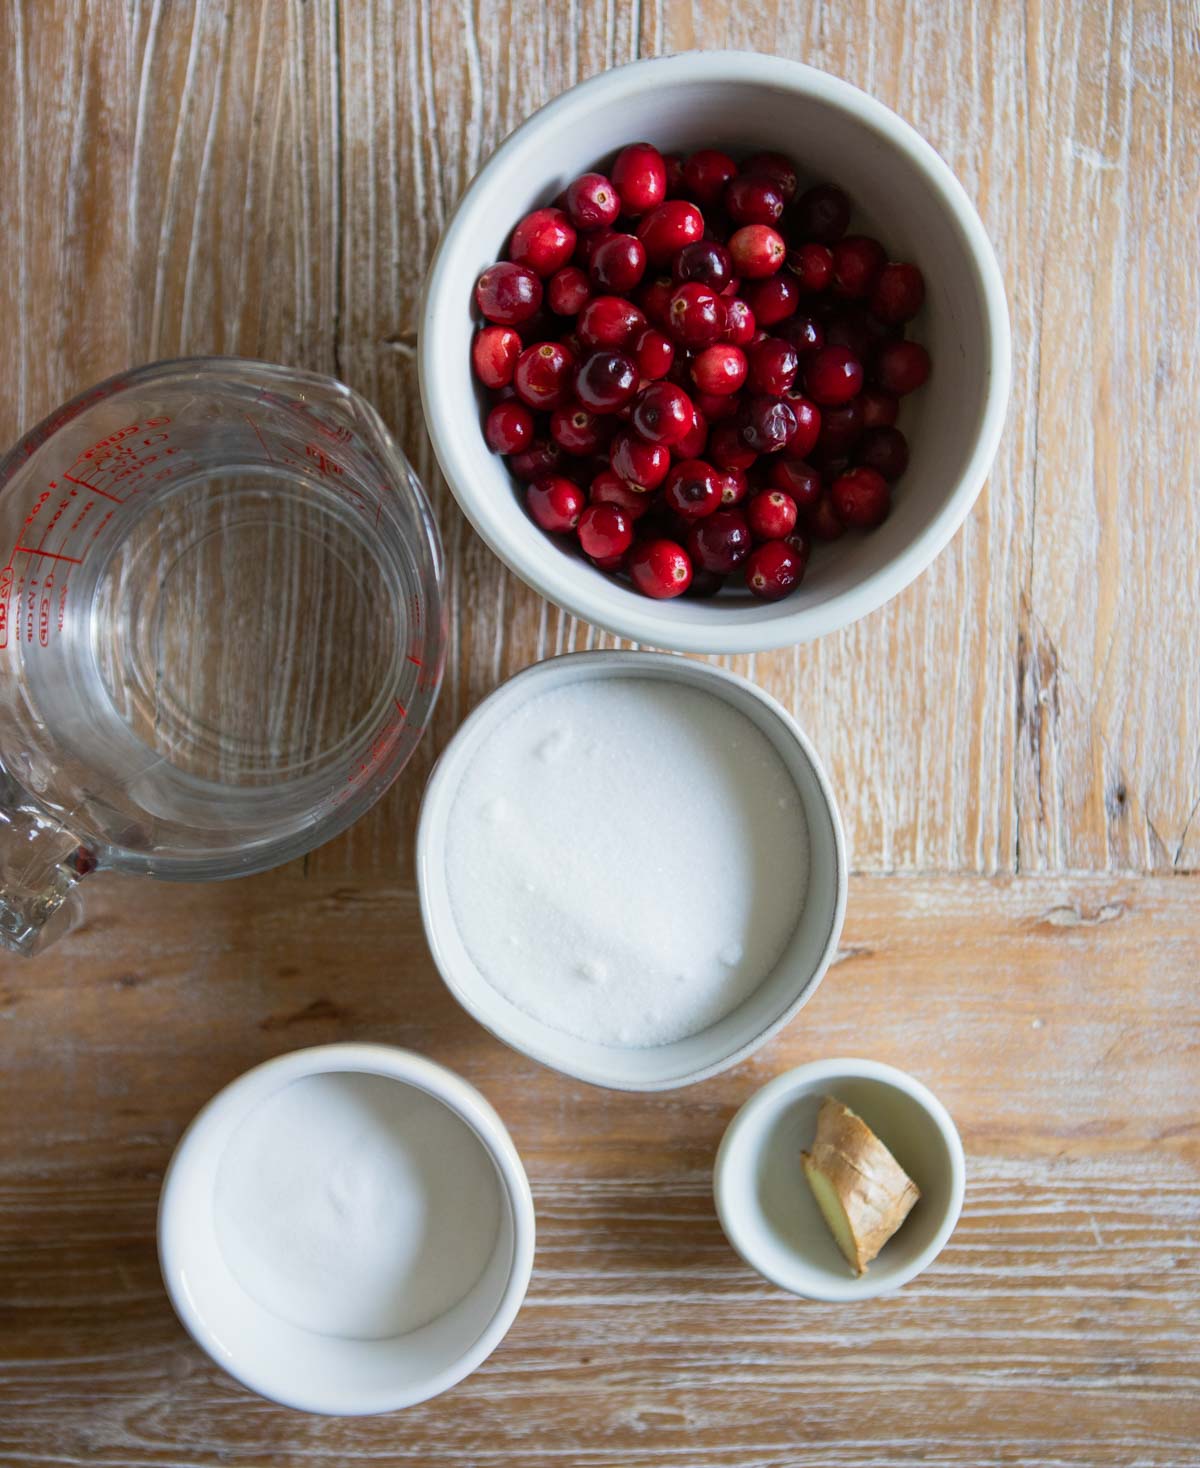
(631, 867)
(347, 1229)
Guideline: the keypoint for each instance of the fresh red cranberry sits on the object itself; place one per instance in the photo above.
(740, 324)
(751, 200)
(508, 293)
(494, 354)
(773, 570)
(590, 242)
(509, 428)
(618, 263)
(720, 542)
(555, 503)
(757, 251)
(727, 449)
(707, 261)
(670, 228)
(567, 291)
(544, 241)
(822, 522)
(857, 262)
(576, 430)
(696, 315)
(675, 182)
(823, 214)
(692, 489)
(773, 363)
(840, 427)
(800, 547)
(812, 265)
(705, 584)
(543, 375)
(833, 375)
(734, 487)
(798, 480)
(606, 381)
(805, 333)
(706, 173)
(609, 321)
(883, 449)
(716, 406)
(662, 413)
(659, 568)
(605, 531)
(899, 293)
(610, 489)
(773, 300)
(778, 168)
(654, 353)
(808, 426)
(608, 564)
(541, 457)
(654, 297)
(692, 445)
(592, 201)
(641, 463)
(861, 498)
(641, 178)
(719, 369)
(901, 366)
(771, 514)
(879, 408)
(766, 424)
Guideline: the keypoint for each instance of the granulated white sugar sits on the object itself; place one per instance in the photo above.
(626, 859)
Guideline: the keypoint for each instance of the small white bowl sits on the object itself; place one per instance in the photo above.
(767, 1208)
(904, 192)
(325, 1373)
(781, 993)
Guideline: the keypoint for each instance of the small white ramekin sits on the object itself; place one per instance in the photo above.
(781, 993)
(297, 1367)
(768, 1211)
(904, 192)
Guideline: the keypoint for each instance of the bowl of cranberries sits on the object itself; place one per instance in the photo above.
(715, 352)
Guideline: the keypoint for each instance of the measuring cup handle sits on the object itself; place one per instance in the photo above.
(40, 864)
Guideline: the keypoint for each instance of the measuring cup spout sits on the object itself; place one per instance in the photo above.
(40, 864)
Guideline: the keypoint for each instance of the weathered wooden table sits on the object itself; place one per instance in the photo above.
(1014, 741)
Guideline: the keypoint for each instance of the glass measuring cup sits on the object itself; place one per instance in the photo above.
(221, 629)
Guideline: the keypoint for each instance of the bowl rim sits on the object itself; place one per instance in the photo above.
(802, 1080)
(353, 1057)
(713, 680)
(593, 602)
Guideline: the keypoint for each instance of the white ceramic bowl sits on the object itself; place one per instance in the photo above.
(905, 193)
(767, 1208)
(325, 1373)
(781, 993)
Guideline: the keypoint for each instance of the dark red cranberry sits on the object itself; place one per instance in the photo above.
(798, 480)
(734, 486)
(670, 228)
(592, 201)
(773, 365)
(567, 291)
(805, 333)
(861, 498)
(654, 297)
(675, 183)
(719, 369)
(659, 568)
(716, 406)
(751, 200)
(641, 178)
(727, 449)
(590, 242)
(705, 584)
(618, 263)
(543, 375)
(740, 324)
(692, 445)
(720, 542)
(879, 408)
(555, 503)
(757, 251)
(707, 261)
(544, 241)
(706, 173)
(494, 354)
(609, 321)
(773, 300)
(823, 214)
(692, 489)
(576, 430)
(654, 353)
(778, 168)
(696, 315)
(812, 265)
(901, 366)
(899, 293)
(883, 449)
(662, 413)
(833, 375)
(641, 463)
(508, 293)
(771, 514)
(766, 424)
(773, 570)
(541, 457)
(605, 531)
(606, 381)
(608, 564)
(808, 426)
(832, 462)
(822, 523)
(800, 547)
(851, 329)
(857, 262)
(609, 488)
(509, 428)
(840, 427)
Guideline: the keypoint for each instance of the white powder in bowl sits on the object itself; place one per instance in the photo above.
(626, 859)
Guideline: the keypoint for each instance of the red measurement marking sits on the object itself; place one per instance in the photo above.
(400, 706)
(415, 660)
(260, 438)
(32, 550)
(94, 489)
